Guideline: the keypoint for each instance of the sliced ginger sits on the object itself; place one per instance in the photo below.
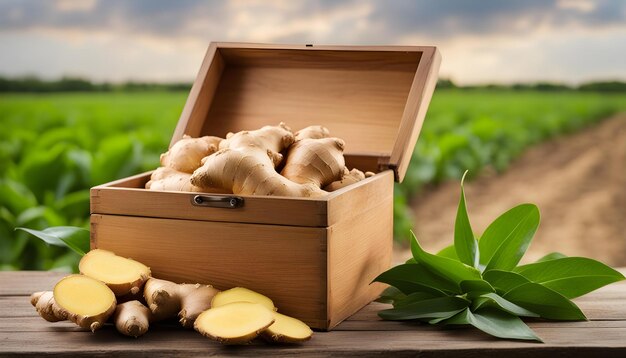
(287, 329)
(234, 323)
(122, 275)
(240, 294)
(87, 301)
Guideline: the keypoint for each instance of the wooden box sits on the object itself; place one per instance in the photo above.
(314, 257)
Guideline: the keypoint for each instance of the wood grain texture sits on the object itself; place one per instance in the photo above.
(373, 97)
(23, 333)
(127, 197)
(201, 96)
(414, 113)
(286, 263)
(359, 249)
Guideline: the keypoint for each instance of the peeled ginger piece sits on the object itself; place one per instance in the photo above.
(240, 294)
(234, 323)
(87, 302)
(122, 275)
(287, 329)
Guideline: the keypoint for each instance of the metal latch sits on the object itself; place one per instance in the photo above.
(215, 201)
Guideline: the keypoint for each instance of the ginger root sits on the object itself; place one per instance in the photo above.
(87, 301)
(240, 294)
(234, 323)
(349, 177)
(316, 162)
(247, 160)
(177, 164)
(47, 307)
(312, 132)
(122, 275)
(132, 318)
(168, 179)
(167, 299)
(186, 154)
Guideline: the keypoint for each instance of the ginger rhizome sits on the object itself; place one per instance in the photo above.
(267, 161)
(349, 177)
(186, 154)
(132, 318)
(167, 299)
(246, 162)
(177, 164)
(234, 323)
(122, 275)
(86, 301)
(168, 179)
(47, 307)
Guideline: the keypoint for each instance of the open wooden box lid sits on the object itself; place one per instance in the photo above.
(373, 97)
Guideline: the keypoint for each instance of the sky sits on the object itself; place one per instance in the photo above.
(481, 41)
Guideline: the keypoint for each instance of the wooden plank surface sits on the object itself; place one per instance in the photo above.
(23, 333)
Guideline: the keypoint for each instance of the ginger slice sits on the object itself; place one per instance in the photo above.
(87, 301)
(234, 323)
(287, 329)
(132, 318)
(122, 275)
(240, 294)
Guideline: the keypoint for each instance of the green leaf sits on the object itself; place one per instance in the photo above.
(449, 252)
(16, 196)
(504, 281)
(545, 302)
(390, 295)
(410, 278)
(552, 256)
(496, 323)
(431, 308)
(479, 286)
(494, 299)
(117, 157)
(505, 241)
(76, 238)
(412, 298)
(452, 270)
(570, 276)
(465, 243)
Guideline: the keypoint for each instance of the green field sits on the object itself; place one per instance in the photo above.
(54, 147)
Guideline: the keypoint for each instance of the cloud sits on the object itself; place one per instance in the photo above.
(388, 19)
(488, 31)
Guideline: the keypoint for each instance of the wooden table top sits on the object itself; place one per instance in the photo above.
(23, 332)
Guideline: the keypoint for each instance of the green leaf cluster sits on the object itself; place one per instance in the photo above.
(479, 283)
(55, 147)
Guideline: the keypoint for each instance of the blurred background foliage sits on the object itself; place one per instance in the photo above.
(63, 137)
